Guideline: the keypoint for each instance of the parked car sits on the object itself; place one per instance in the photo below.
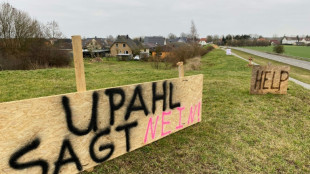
(137, 57)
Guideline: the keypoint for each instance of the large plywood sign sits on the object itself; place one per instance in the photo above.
(73, 132)
(269, 79)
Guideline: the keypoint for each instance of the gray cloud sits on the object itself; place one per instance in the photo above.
(160, 17)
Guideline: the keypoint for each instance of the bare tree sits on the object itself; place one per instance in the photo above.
(92, 46)
(216, 39)
(183, 34)
(171, 36)
(17, 24)
(7, 13)
(193, 33)
(110, 40)
(21, 41)
(209, 38)
(52, 30)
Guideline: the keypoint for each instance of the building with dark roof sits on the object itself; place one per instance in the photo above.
(123, 45)
(100, 41)
(275, 42)
(155, 40)
(64, 44)
(178, 39)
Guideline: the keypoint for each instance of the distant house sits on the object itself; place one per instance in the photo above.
(99, 42)
(203, 41)
(146, 48)
(178, 40)
(289, 40)
(93, 47)
(63, 44)
(306, 40)
(93, 43)
(156, 40)
(123, 45)
(274, 42)
(161, 51)
(295, 41)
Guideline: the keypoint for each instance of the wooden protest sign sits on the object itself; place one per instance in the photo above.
(73, 132)
(269, 79)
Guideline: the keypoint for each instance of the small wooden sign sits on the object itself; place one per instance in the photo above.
(269, 79)
(228, 51)
(73, 132)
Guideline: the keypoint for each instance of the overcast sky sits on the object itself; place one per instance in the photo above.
(101, 18)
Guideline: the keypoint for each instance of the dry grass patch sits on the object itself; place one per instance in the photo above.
(193, 64)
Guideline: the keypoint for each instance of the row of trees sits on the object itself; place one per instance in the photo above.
(24, 41)
(241, 43)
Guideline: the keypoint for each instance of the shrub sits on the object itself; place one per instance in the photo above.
(182, 53)
(278, 49)
(186, 52)
(96, 60)
(193, 64)
(155, 61)
(37, 55)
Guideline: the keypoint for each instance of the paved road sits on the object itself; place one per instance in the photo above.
(305, 85)
(290, 61)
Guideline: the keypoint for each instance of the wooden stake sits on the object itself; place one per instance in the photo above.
(181, 69)
(90, 169)
(78, 63)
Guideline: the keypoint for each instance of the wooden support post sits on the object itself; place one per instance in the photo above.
(78, 63)
(181, 69)
(79, 68)
(90, 169)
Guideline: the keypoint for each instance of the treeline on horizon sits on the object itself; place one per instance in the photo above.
(238, 40)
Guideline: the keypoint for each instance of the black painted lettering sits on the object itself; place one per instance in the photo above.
(127, 128)
(114, 106)
(265, 79)
(93, 121)
(285, 79)
(258, 80)
(74, 159)
(131, 107)
(171, 104)
(110, 146)
(273, 87)
(20, 166)
(157, 97)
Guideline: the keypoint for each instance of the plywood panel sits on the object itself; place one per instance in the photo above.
(269, 79)
(36, 134)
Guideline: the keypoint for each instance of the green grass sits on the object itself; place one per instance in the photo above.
(296, 72)
(239, 132)
(290, 50)
(16, 85)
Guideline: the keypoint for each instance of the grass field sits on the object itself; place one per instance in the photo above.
(296, 72)
(239, 133)
(295, 51)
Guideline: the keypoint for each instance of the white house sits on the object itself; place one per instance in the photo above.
(294, 40)
(203, 41)
(289, 40)
(306, 40)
